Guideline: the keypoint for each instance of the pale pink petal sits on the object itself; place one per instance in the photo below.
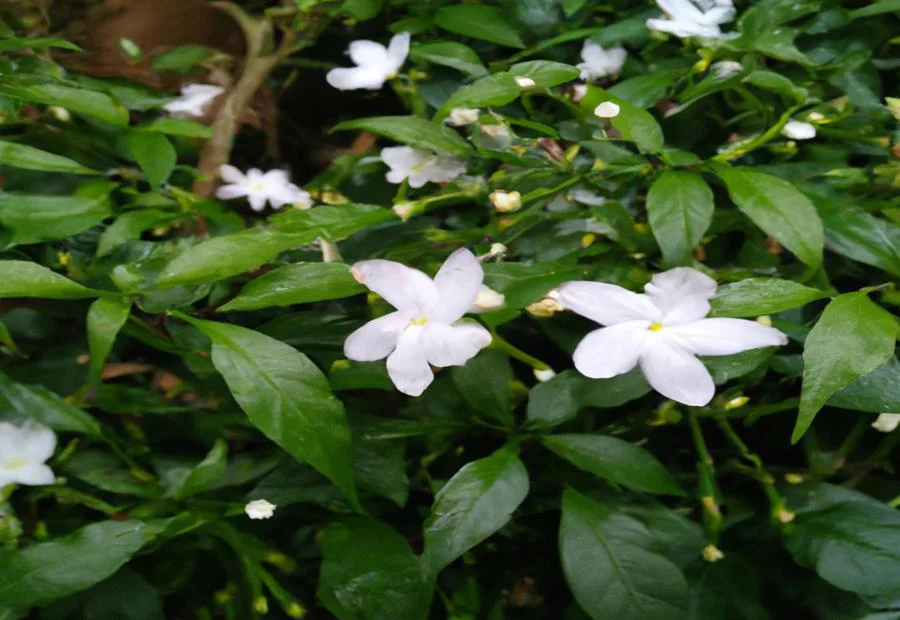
(610, 351)
(376, 339)
(407, 366)
(676, 373)
(725, 336)
(604, 303)
(401, 286)
(458, 282)
(453, 345)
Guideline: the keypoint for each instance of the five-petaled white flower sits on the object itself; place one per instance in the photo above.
(887, 422)
(424, 331)
(23, 452)
(420, 166)
(693, 18)
(375, 64)
(194, 100)
(260, 187)
(662, 330)
(798, 130)
(260, 509)
(598, 62)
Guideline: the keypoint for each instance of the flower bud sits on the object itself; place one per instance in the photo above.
(260, 509)
(460, 117)
(887, 422)
(487, 300)
(607, 109)
(404, 210)
(544, 375)
(711, 553)
(506, 202)
(524, 82)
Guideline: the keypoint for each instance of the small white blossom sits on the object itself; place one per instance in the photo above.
(260, 187)
(506, 202)
(524, 82)
(578, 92)
(419, 166)
(693, 18)
(24, 450)
(194, 100)
(544, 375)
(375, 64)
(607, 109)
(887, 422)
(497, 249)
(599, 63)
(425, 330)
(798, 130)
(459, 117)
(726, 68)
(662, 330)
(487, 300)
(260, 509)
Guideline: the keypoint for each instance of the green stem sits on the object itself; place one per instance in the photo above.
(853, 437)
(706, 482)
(501, 344)
(740, 150)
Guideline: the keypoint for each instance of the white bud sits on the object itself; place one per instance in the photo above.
(798, 130)
(260, 509)
(460, 117)
(404, 210)
(498, 249)
(816, 117)
(607, 109)
(487, 300)
(524, 82)
(544, 375)
(506, 202)
(887, 422)
(578, 92)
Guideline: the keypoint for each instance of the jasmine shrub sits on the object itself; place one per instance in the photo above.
(518, 309)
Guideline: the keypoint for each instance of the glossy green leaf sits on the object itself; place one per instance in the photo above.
(153, 153)
(634, 123)
(555, 401)
(645, 90)
(296, 284)
(876, 8)
(479, 21)
(476, 502)
(778, 208)
(450, 54)
(77, 100)
(852, 338)
(32, 219)
(612, 565)
(177, 127)
(19, 278)
(124, 596)
(11, 45)
(105, 318)
(758, 296)
(42, 405)
(483, 383)
(615, 460)
(286, 397)
(862, 237)
(491, 90)
(876, 392)
(523, 284)
(545, 73)
(129, 226)
(205, 475)
(680, 209)
(411, 130)
(728, 588)
(30, 158)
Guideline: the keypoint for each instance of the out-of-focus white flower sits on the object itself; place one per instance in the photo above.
(375, 64)
(578, 92)
(607, 109)
(524, 82)
(693, 18)
(487, 300)
(798, 130)
(506, 202)
(460, 117)
(260, 509)
(260, 187)
(425, 330)
(586, 197)
(887, 422)
(420, 167)
(598, 62)
(662, 330)
(24, 450)
(544, 375)
(194, 100)
(816, 117)
(726, 68)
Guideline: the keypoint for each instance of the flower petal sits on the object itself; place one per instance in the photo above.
(676, 373)
(356, 78)
(230, 174)
(230, 192)
(35, 474)
(610, 351)
(401, 286)
(257, 201)
(10, 445)
(368, 53)
(398, 50)
(725, 336)
(38, 442)
(376, 339)
(453, 345)
(682, 294)
(407, 366)
(458, 282)
(606, 304)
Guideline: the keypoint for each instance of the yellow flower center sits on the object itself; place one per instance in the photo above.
(16, 463)
(258, 187)
(655, 327)
(419, 320)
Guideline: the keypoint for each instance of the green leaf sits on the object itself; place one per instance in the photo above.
(124, 596)
(570, 7)
(380, 467)
(612, 566)
(876, 8)
(861, 236)
(852, 337)
(368, 572)
(286, 397)
(362, 10)
(230, 255)
(615, 460)
(491, 90)
(680, 209)
(758, 296)
(105, 318)
(33, 219)
(52, 570)
(177, 127)
(645, 90)
(728, 588)
(205, 475)
(411, 130)
(851, 540)
(19, 278)
(24, 43)
(476, 502)
(875, 392)
(129, 226)
(296, 284)
(523, 284)
(42, 405)
(76, 100)
(545, 73)
(484, 382)
(153, 153)
(479, 21)
(778, 208)
(450, 54)
(777, 83)
(30, 158)
(555, 401)
(634, 123)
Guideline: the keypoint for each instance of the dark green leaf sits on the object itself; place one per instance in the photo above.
(758, 296)
(491, 90)
(19, 278)
(450, 54)
(11, 45)
(380, 467)
(634, 123)
(153, 153)
(42, 405)
(876, 8)
(129, 226)
(207, 472)
(177, 127)
(484, 384)
(411, 130)
(545, 73)
(555, 401)
(479, 21)
(77, 100)
(680, 209)
(105, 318)
(33, 219)
(862, 237)
(523, 284)
(645, 90)
(296, 284)
(124, 596)
(875, 392)
(30, 158)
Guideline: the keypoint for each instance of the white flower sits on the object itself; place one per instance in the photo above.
(419, 166)
(524, 82)
(487, 300)
(506, 202)
(375, 64)
(274, 187)
(598, 62)
(662, 331)
(424, 331)
(194, 100)
(726, 68)
(260, 509)
(887, 422)
(578, 92)
(693, 18)
(544, 375)
(460, 117)
(607, 109)
(23, 451)
(798, 130)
